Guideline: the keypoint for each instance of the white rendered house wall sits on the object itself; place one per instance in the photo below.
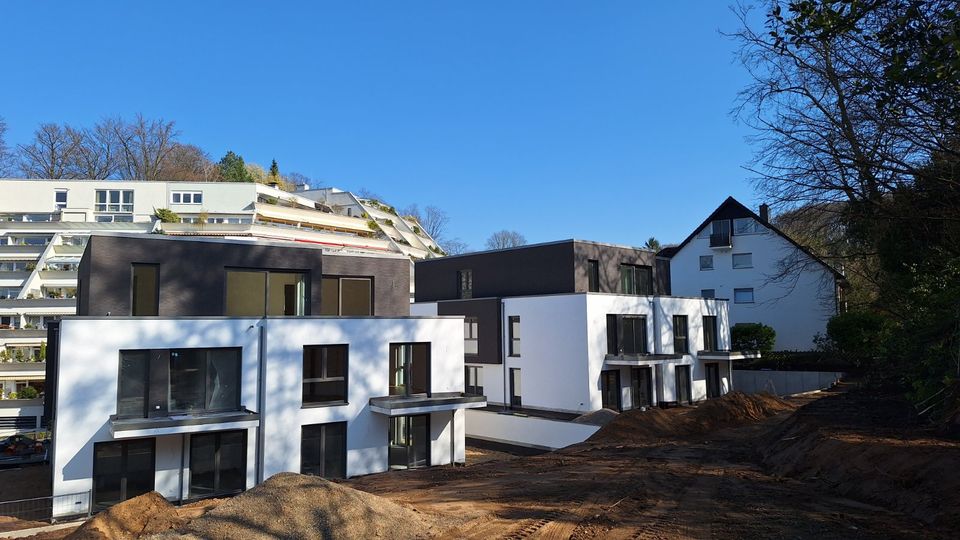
(797, 306)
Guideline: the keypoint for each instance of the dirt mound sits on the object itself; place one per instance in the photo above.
(148, 513)
(296, 506)
(597, 418)
(733, 409)
(868, 447)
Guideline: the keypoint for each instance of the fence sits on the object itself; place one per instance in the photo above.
(48, 508)
(528, 431)
(783, 383)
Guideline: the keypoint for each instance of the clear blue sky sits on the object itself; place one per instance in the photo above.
(597, 120)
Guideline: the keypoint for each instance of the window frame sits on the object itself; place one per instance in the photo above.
(714, 332)
(133, 288)
(56, 196)
(340, 279)
(478, 386)
(218, 438)
(682, 337)
(235, 406)
(407, 371)
(307, 307)
(513, 338)
(471, 332)
(322, 438)
(124, 458)
(465, 284)
(593, 275)
(616, 334)
(633, 274)
(193, 195)
(705, 258)
(733, 260)
(324, 363)
(744, 290)
(121, 206)
(713, 294)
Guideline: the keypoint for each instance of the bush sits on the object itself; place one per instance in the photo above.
(859, 337)
(12, 395)
(28, 392)
(165, 215)
(753, 337)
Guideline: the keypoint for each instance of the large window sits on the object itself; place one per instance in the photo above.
(706, 262)
(743, 260)
(346, 296)
(680, 336)
(465, 284)
(743, 296)
(473, 380)
(325, 374)
(145, 290)
(593, 275)
(709, 332)
(122, 470)
(748, 225)
(218, 463)
(636, 279)
(514, 338)
(133, 388)
(204, 380)
(626, 334)
(114, 200)
(471, 341)
(255, 293)
(409, 369)
(323, 450)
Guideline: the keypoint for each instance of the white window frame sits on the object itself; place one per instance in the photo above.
(752, 227)
(703, 258)
(120, 206)
(741, 266)
(744, 290)
(57, 204)
(194, 197)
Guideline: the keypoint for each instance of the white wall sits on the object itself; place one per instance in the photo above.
(527, 431)
(88, 371)
(797, 307)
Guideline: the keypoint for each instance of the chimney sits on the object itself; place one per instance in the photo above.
(765, 213)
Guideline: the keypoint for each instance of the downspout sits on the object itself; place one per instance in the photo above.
(453, 437)
(183, 457)
(657, 347)
(261, 395)
(503, 357)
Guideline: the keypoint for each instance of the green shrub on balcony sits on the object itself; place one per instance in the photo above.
(165, 215)
(28, 392)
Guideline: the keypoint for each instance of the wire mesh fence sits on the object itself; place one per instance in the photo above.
(48, 508)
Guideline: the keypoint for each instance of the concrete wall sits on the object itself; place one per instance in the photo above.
(797, 307)
(87, 388)
(783, 383)
(527, 431)
(20, 408)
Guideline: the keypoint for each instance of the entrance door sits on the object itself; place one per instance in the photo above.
(713, 380)
(610, 389)
(409, 442)
(683, 384)
(515, 400)
(641, 387)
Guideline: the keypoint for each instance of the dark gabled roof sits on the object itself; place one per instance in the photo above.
(733, 209)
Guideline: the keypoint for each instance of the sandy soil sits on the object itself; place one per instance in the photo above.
(708, 485)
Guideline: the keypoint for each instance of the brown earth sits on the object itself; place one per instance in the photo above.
(844, 465)
(141, 516)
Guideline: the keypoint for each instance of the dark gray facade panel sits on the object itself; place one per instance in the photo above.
(610, 258)
(391, 280)
(192, 274)
(487, 312)
(543, 269)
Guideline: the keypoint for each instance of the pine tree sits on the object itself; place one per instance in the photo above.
(232, 168)
(274, 170)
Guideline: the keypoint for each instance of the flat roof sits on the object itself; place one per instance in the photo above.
(541, 244)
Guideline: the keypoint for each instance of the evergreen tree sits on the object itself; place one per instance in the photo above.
(233, 169)
(274, 170)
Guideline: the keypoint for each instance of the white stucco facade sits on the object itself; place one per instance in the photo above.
(797, 304)
(87, 391)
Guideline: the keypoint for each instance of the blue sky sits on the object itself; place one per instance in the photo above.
(599, 120)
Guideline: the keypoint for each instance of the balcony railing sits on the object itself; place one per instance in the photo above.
(720, 240)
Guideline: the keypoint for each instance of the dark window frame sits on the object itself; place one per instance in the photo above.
(635, 272)
(468, 388)
(681, 340)
(593, 275)
(133, 287)
(513, 339)
(146, 384)
(471, 332)
(206, 365)
(605, 389)
(713, 293)
(711, 338)
(753, 298)
(340, 278)
(733, 261)
(218, 437)
(616, 334)
(124, 445)
(307, 288)
(321, 457)
(346, 377)
(465, 284)
(407, 373)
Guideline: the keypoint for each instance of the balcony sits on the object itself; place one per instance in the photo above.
(728, 355)
(127, 428)
(404, 405)
(721, 240)
(639, 359)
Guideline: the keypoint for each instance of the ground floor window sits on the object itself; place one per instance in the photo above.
(610, 389)
(683, 384)
(409, 441)
(713, 379)
(473, 380)
(515, 399)
(323, 450)
(122, 470)
(218, 463)
(641, 387)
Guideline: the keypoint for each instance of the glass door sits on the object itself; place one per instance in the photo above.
(641, 387)
(409, 442)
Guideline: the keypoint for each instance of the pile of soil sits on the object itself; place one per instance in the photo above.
(733, 409)
(871, 447)
(146, 514)
(597, 418)
(290, 505)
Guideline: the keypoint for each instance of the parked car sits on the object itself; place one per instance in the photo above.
(19, 448)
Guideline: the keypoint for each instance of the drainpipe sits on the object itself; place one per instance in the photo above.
(183, 457)
(503, 357)
(657, 347)
(261, 395)
(453, 437)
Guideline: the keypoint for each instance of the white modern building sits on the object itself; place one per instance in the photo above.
(207, 379)
(769, 278)
(44, 226)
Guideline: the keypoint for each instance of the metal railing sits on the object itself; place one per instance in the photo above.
(49, 508)
(720, 239)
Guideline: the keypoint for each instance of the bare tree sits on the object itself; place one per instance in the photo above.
(97, 156)
(505, 239)
(433, 220)
(188, 162)
(454, 246)
(145, 145)
(5, 156)
(51, 154)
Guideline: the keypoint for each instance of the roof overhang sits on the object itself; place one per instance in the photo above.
(437, 402)
(728, 355)
(639, 359)
(127, 428)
